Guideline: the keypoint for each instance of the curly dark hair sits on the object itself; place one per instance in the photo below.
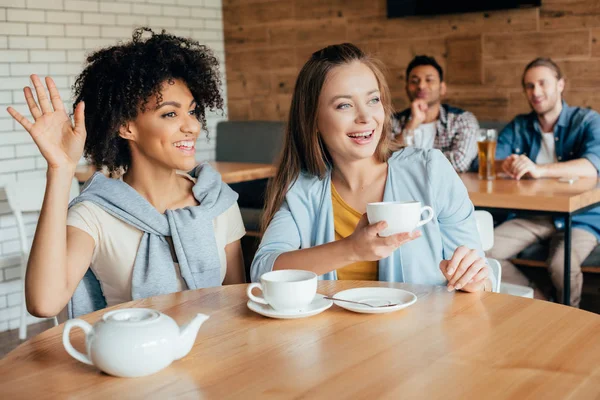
(118, 82)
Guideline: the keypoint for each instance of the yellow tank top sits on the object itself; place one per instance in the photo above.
(345, 219)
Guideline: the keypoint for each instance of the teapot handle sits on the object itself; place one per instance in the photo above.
(87, 329)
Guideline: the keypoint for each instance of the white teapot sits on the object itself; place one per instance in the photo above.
(133, 342)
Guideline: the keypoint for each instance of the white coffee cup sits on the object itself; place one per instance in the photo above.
(400, 216)
(286, 289)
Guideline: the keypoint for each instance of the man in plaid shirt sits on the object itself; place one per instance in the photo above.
(430, 124)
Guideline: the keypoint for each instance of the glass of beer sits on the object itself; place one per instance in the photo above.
(486, 144)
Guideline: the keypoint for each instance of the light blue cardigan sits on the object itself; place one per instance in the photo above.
(306, 219)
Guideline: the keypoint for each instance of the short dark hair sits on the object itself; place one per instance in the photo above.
(424, 60)
(119, 81)
(542, 62)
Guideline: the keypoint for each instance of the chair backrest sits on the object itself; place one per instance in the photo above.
(249, 141)
(485, 227)
(27, 196)
(496, 272)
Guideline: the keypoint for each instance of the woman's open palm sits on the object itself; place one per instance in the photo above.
(60, 142)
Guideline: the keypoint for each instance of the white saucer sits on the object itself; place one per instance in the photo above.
(376, 296)
(318, 305)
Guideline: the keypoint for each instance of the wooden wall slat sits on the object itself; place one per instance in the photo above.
(483, 54)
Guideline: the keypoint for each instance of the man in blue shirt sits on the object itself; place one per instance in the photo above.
(553, 141)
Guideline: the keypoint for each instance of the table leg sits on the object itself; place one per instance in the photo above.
(567, 277)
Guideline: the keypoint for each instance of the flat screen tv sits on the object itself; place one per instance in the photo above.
(405, 8)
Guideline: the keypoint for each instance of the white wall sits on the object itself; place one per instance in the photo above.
(52, 37)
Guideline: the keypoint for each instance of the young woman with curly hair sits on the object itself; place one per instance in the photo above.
(149, 229)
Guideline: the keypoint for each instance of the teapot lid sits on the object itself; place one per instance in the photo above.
(131, 316)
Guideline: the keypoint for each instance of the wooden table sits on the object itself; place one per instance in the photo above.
(446, 346)
(231, 172)
(537, 196)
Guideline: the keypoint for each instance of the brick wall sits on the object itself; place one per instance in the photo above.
(51, 37)
(482, 53)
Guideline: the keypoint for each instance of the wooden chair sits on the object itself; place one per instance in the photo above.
(26, 196)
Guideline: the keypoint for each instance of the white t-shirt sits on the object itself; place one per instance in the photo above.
(425, 135)
(547, 155)
(117, 243)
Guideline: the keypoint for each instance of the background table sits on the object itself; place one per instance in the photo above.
(539, 197)
(446, 346)
(231, 172)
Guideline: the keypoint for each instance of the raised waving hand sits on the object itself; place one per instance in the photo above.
(59, 140)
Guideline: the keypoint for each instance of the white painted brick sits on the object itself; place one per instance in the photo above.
(18, 69)
(6, 125)
(174, 11)
(181, 32)
(83, 30)
(2, 14)
(7, 234)
(162, 22)
(13, 28)
(3, 301)
(123, 8)
(40, 162)
(206, 35)
(48, 56)
(12, 273)
(79, 5)
(65, 43)
(11, 246)
(61, 82)
(7, 152)
(145, 9)
(92, 43)
(45, 4)
(212, 3)
(99, 19)
(10, 313)
(26, 150)
(46, 30)
(132, 20)
(14, 138)
(22, 164)
(4, 326)
(190, 23)
(115, 32)
(205, 13)
(215, 24)
(65, 69)
(65, 17)
(3, 42)
(166, 3)
(13, 299)
(24, 15)
(195, 3)
(14, 55)
(12, 3)
(36, 174)
(77, 56)
(27, 42)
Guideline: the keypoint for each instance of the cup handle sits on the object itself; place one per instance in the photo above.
(253, 297)
(87, 329)
(429, 217)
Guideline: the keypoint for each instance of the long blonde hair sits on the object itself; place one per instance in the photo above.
(304, 150)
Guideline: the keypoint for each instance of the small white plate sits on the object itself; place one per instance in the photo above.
(377, 296)
(318, 305)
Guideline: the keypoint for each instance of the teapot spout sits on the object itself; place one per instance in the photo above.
(187, 335)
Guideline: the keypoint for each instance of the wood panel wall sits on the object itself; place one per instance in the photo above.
(483, 54)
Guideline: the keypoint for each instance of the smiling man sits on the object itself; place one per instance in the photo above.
(430, 124)
(554, 140)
